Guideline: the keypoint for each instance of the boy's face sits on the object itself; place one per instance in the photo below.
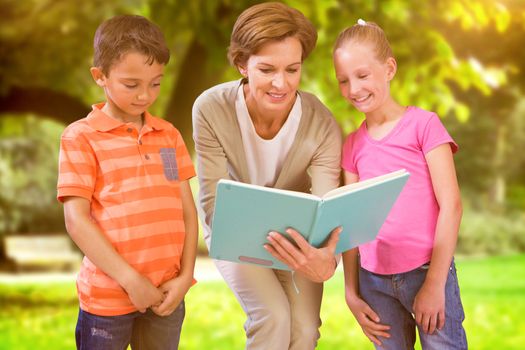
(131, 86)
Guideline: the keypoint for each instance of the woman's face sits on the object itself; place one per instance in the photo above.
(273, 73)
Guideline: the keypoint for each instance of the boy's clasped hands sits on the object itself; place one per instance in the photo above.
(162, 300)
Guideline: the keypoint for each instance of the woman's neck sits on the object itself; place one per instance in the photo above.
(267, 123)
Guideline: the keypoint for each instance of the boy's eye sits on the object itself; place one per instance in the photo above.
(363, 76)
(341, 82)
(156, 84)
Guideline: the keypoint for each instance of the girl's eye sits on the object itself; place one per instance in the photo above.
(130, 86)
(156, 84)
(341, 82)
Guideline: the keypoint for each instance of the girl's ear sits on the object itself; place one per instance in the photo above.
(391, 65)
(98, 76)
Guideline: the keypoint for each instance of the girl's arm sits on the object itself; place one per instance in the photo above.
(429, 304)
(365, 316)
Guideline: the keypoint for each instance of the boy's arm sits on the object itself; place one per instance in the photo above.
(365, 316)
(429, 304)
(88, 237)
(176, 288)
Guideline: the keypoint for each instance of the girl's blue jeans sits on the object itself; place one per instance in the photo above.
(147, 330)
(392, 297)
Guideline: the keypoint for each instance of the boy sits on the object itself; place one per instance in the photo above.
(123, 179)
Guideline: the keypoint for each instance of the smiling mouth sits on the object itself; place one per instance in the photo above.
(361, 99)
(278, 96)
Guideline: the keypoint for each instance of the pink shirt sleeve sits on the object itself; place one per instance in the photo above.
(347, 159)
(434, 134)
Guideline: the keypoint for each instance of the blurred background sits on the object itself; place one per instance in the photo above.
(464, 59)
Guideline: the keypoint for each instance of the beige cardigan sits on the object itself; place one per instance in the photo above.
(312, 164)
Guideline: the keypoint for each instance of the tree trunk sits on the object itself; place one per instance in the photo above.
(498, 188)
(45, 102)
(194, 77)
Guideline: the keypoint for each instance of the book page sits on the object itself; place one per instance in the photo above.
(272, 190)
(362, 184)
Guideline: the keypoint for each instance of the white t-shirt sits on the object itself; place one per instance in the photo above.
(265, 158)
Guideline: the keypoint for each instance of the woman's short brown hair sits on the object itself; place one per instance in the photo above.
(266, 22)
(122, 34)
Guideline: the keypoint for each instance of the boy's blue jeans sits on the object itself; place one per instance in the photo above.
(392, 297)
(142, 330)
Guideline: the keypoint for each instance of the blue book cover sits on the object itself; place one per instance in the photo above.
(245, 214)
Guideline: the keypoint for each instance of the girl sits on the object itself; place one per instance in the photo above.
(406, 278)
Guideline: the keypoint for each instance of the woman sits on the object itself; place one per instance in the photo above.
(262, 130)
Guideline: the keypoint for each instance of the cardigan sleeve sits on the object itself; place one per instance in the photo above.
(212, 163)
(325, 167)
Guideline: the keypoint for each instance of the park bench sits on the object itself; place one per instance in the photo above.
(41, 252)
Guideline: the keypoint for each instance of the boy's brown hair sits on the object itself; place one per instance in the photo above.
(125, 33)
(267, 22)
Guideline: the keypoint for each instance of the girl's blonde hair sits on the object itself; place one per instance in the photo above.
(267, 22)
(369, 33)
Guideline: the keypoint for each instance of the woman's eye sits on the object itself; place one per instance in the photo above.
(265, 71)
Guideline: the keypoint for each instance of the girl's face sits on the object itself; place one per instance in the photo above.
(363, 79)
(273, 73)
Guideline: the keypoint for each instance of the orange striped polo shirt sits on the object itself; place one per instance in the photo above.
(132, 180)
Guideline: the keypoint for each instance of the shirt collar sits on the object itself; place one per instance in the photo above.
(100, 121)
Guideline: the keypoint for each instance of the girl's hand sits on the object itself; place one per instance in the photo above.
(429, 307)
(367, 319)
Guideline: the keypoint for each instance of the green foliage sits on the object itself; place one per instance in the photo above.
(43, 316)
(29, 146)
(485, 232)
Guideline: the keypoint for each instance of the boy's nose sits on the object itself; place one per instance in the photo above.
(144, 95)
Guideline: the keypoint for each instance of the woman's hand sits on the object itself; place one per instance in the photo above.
(317, 264)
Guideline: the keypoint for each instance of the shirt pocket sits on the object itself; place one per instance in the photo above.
(169, 163)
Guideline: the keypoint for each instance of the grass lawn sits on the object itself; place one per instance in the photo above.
(42, 316)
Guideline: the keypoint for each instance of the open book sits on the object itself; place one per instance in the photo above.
(245, 214)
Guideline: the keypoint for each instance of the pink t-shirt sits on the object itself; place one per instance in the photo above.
(406, 239)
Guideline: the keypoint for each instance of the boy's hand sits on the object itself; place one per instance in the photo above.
(367, 319)
(429, 307)
(174, 291)
(142, 293)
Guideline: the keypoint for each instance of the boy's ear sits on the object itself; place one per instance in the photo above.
(98, 76)
(391, 68)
